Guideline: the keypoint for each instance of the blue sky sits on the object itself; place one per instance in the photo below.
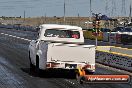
(34, 8)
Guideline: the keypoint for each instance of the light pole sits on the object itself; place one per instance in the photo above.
(130, 13)
(64, 11)
(78, 19)
(24, 15)
(90, 9)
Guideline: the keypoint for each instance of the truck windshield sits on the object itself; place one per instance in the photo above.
(62, 33)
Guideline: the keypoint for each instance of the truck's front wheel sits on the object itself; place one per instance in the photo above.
(32, 67)
(37, 66)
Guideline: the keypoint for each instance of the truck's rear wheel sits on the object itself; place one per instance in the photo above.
(37, 66)
(80, 79)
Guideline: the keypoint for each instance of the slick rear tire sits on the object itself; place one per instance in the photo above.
(80, 79)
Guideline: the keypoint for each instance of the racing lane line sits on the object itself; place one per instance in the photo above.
(69, 81)
(16, 37)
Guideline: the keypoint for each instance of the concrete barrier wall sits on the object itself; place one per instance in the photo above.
(104, 48)
(121, 50)
(118, 60)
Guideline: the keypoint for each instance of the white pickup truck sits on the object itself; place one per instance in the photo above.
(61, 47)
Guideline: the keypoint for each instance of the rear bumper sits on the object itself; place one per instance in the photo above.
(70, 65)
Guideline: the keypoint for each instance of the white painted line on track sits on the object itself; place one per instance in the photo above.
(2, 33)
(22, 38)
(11, 35)
(15, 37)
(69, 81)
(26, 39)
(6, 34)
(18, 37)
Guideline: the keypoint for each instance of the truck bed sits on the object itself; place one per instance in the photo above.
(71, 53)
